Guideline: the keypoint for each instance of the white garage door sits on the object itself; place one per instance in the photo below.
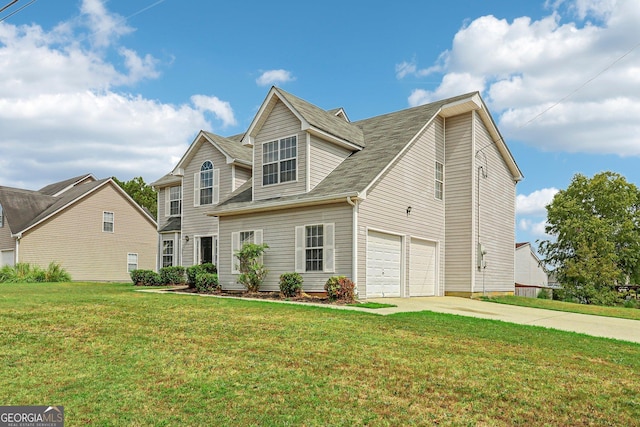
(384, 258)
(422, 270)
(6, 258)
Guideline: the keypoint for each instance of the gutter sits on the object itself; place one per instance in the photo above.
(284, 204)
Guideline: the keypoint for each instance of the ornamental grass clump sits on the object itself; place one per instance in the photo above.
(340, 288)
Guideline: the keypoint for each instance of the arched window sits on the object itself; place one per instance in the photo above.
(205, 184)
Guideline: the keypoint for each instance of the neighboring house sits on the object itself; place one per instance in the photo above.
(92, 228)
(413, 203)
(531, 275)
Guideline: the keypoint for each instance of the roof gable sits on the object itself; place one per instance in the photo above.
(326, 124)
(230, 147)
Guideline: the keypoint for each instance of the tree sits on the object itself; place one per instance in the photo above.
(141, 192)
(596, 225)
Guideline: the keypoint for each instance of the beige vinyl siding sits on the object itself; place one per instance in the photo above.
(6, 241)
(459, 200)
(409, 182)
(195, 222)
(528, 270)
(325, 158)
(281, 123)
(242, 175)
(278, 231)
(497, 216)
(74, 238)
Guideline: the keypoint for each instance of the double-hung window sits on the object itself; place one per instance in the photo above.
(132, 262)
(107, 222)
(279, 161)
(174, 201)
(315, 248)
(238, 240)
(167, 253)
(439, 183)
(206, 185)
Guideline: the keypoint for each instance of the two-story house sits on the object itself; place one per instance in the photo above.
(413, 203)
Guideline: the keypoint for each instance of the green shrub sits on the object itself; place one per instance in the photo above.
(252, 272)
(290, 284)
(207, 283)
(544, 294)
(145, 278)
(340, 288)
(173, 275)
(193, 271)
(26, 273)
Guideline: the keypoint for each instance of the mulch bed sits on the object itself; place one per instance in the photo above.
(273, 296)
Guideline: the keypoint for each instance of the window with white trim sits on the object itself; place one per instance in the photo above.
(279, 161)
(206, 185)
(439, 184)
(132, 262)
(315, 249)
(167, 253)
(238, 240)
(173, 204)
(107, 222)
(1, 217)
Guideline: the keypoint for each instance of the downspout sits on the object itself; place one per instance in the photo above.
(16, 258)
(354, 241)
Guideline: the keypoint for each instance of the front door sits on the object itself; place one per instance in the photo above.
(206, 250)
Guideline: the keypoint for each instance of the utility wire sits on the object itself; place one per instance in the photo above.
(17, 10)
(8, 5)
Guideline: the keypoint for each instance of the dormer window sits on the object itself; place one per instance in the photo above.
(279, 161)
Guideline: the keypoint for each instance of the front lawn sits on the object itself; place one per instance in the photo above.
(596, 310)
(112, 356)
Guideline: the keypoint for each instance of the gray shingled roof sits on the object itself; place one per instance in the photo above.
(232, 146)
(166, 180)
(174, 224)
(325, 120)
(25, 208)
(56, 187)
(385, 136)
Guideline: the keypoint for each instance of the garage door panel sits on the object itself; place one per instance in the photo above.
(422, 270)
(384, 258)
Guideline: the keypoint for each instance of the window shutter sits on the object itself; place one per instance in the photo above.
(216, 186)
(235, 247)
(167, 201)
(257, 237)
(300, 253)
(328, 249)
(196, 189)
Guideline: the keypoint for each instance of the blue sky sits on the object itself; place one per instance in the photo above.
(120, 88)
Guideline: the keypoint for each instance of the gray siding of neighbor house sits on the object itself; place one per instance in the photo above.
(497, 216)
(459, 195)
(325, 158)
(278, 230)
(242, 175)
(281, 123)
(74, 238)
(195, 222)
(409, 182)
(528, 270)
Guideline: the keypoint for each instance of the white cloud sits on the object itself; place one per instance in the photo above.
(273, 77)
(63, 111)
(578, 63)
(536, 202)
(221, 109)
(534, 228)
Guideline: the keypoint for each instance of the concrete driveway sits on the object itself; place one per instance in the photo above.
(599, 326)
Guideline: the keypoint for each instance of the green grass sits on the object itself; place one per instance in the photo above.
(597, 310)
(113, 356)
(371, 304)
